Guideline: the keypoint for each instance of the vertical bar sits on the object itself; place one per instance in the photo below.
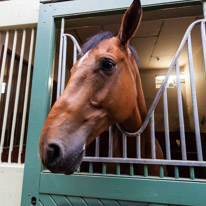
(64, 64)
(180, 113)
(78, 169)
(4, 62)
(118, 169)
(104, 168)
(60, 58)
(91, 167)
(192, 173)
(2, 76)
(145, 170)
(204, 9)
(8, 92)
(41, 90)
(26, 96)
(166, 124)
(75, 54)
(138, 147)
(176, 172)
(131, 169)
(194, 100)
(124, 146)
(85, 152)
(17, 95)
(161, 171)
(110, 142)
(97, 147)
(203, 35)
(152, 134)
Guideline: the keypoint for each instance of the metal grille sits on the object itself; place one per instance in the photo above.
(162, 92)
(15, 86)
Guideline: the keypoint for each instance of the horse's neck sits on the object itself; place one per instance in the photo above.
(134, 122)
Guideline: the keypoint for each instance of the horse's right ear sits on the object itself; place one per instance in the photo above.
(130, 22)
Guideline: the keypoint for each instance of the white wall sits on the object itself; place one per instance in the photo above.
(11, 179)
(15, 14)
(18, 13)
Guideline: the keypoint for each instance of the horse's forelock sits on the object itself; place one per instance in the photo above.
(96, 39)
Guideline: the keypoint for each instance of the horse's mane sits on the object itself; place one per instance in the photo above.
(96, 39)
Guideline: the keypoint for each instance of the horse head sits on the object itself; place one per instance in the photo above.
(101, 91)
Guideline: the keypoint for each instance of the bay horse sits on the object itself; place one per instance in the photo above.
(104, 89)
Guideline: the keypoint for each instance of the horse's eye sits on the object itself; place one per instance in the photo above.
(107, 64)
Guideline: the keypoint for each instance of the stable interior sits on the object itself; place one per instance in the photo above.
(156, 42)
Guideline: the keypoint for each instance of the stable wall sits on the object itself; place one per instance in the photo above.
(17, 13)
(11, 178)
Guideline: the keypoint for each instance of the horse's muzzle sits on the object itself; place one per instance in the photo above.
(57, 160)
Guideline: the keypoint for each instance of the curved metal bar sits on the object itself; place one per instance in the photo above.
(74, 41)
(160, 91)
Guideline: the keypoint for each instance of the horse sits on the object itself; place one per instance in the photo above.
(104, 89)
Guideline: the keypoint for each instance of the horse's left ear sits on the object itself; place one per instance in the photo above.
(130, 22)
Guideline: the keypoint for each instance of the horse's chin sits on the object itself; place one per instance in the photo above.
(71, 169)
(66, 167)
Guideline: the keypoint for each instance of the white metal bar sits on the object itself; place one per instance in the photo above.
(60, 59)
(97, 147)
(75, 54)
(203, 35)
(64, 64)
(74, 42)
(17, 95)
(194, 100)
(180, 113)
(166, 124)
(4, 62)
(124, 145)
(159, 93)
(110, 142)
(146, 161)
(8, 92)
(152, 134)
(26, 96)
(138, 140)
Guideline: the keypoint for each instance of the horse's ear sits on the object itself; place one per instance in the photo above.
(130, 22)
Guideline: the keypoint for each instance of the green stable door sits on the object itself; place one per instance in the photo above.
(46, 189)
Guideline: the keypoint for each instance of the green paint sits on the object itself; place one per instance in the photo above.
(91, 167)
(118, 172)
(86, 189)
(104, 168)
(47, 200)
(61, 200)
(131, 170)
(145, 170)
(176, 172)
(161, 171)
(91, 7)
(93, 202)
(109, 202)
(78, 170)
(40, 102)
(192, 173)
(126, 188)
(76, 201)
(204, 8)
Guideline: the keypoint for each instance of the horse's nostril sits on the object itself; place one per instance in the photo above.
(53, 153)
